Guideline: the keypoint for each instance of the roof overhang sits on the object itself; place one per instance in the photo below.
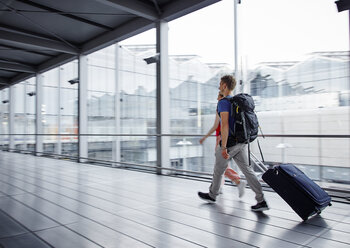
(38, 35)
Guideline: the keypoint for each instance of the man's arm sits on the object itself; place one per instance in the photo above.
(224, 133)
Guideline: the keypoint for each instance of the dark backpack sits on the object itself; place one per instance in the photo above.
(246, 125)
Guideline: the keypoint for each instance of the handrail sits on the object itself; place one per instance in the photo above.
(307, 135)
(346, 136)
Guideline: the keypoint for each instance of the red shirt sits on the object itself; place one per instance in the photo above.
(218, 130)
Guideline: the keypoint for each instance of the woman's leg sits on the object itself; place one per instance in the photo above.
(232, 175)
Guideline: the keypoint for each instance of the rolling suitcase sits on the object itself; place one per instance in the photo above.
(302, 194)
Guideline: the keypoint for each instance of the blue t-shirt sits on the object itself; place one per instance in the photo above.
(224, 105)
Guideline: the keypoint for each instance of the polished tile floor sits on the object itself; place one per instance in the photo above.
(55, 203)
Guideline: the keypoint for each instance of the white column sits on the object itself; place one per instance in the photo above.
(163, 96)
(25, 97)
(237, 76)
(199, 105)
(58, 142)
(82, 108)
(348, 74)
(2, 118)
(38, 115)
(116, 153)
(11, 122)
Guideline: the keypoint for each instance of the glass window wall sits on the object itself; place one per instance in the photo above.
(68, 109)
(121, 100)
(194, 76)
(49, 109)
(300, 83)
(297, 69)
(24, 115)
(101, 103)
(138, 103)
(60, 110)
(4, 118)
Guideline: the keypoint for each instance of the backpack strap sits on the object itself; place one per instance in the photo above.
(231, 104)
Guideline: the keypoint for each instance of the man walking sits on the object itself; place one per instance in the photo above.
(230, 149)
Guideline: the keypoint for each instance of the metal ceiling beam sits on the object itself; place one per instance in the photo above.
(62, 13)
(4, 81)
(21, 77)
(48, 65)
(21, 40)
(24, 50)
(38, 24)
(55, 62)
(13, 60)
(156, 5)
(16, 67)
(127, 30)
(22, 31)
(134, 7)
(176, 9)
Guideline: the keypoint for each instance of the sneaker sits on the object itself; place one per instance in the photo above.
(241, 188)
(206, 197)
(260, 206)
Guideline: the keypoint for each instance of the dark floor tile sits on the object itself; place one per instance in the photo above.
(105, 236)
(219, 226)
(61, 237)
(26, 216)
(151, 236)
(8, 189)
(108, 207)
(338, 235)
(23, 241)
(9, 227)
(49, 209)
(326, 243)
(206, 232)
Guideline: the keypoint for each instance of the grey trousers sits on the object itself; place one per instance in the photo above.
(239, 154)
